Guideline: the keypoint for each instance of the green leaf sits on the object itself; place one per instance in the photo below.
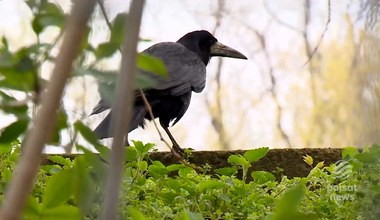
(142, 149)
(4, 41)
(175, 167)
(209, 184)
(261, 177)
(5, 148)
(144, 82)
(130, 153)
(371, 157)
(256, 154)
(107, 91)
(53, 9)
(188, 215)
(185, 172)
(6, 57)
(51, 169)
(62, 212)
(156, 171)
(226, 171)
(87, 134)
(61, 160)
(118, 29)
(83, 185)
(135, 214)
(47, 14)
(45, 20)
(287, 206)
(58, 189)
(237, 160)
(349, 152)
(14, 130)
(60, 125)
(32, 209)
(21, 72)
(151, 64)
(106, 49)
(142, 165)
(6, 106)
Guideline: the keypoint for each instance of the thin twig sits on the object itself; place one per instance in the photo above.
(103, 10)
(273, 87)
(149, 109)
(122, 109)
(278, 20)
(217, 114)
(315, 49)
(26, 170)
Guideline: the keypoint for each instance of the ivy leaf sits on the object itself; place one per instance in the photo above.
(237, 160)
(209, 184)
(262, 177)
(130, 153)
(142, 165)
(226, 171)
(14, 130)
(256, 154)
(58, 189)
(156, 171)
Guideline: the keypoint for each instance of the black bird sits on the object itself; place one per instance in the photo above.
(186, 62)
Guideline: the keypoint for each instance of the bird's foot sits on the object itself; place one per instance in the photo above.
(177, 151)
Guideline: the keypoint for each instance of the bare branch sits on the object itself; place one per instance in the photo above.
(312, 53)
(273, 87)
(122, 109)
(149, 108)
(278, 20)
(24, 175)
(217, 114)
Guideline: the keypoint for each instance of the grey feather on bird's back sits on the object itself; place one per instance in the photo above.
(187, 72)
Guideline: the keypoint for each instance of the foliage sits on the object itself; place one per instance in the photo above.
(72, 188)
(21, 80)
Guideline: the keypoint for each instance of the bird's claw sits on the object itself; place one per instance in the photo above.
(177, 151)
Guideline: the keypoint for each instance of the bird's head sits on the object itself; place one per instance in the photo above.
(206, 46)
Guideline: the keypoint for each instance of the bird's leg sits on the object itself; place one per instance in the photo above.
(176, 148)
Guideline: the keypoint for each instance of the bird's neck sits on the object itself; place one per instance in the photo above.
(203, 55)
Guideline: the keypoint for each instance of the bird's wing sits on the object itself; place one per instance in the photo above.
(186, 70)
(100, 107)
(186, 73)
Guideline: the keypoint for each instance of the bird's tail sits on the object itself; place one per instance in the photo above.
(103, 130)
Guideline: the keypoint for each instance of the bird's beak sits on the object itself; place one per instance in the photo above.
(221, 50)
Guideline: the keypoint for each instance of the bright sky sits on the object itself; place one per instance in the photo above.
(169, 20)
